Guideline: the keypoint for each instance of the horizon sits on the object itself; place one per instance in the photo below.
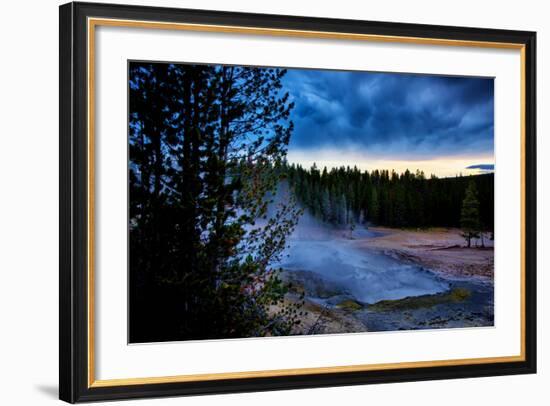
(320, 168)
(442, 125)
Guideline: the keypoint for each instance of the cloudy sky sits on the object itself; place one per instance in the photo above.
(439, 124)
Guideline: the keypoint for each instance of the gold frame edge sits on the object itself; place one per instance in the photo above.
(91, 25)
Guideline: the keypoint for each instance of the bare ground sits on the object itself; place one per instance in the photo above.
(443, 251)
(321, 320)
(440, 250)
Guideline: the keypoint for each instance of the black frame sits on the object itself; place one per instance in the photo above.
(73, 289)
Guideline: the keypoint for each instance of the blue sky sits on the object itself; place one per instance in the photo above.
(439, 124)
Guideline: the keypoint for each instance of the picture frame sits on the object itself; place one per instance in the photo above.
(79, 22)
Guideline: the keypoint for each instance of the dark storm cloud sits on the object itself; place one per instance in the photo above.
(401, 114)
(483, 167)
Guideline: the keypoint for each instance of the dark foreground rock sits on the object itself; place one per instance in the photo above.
(332, 309)
(466, 304)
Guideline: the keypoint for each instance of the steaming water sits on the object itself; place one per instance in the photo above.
(368, 275)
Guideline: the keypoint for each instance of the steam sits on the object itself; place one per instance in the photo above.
(368, 275)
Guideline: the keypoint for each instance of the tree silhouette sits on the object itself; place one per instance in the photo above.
(344, 196)
(207, 145)
(469, 215)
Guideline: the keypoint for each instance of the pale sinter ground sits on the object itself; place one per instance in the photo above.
(460, 296)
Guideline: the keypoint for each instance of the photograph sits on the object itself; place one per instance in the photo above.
(272, 201)
(258, 200)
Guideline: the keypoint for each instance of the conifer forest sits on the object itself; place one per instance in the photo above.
(250, 217)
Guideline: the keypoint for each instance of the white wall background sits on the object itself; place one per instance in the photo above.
(29, 202)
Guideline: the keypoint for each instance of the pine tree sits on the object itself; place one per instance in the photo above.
(342, 195)
(469, 215)
(374, 207)
(326, 207)
(342, 210)
(207, 149)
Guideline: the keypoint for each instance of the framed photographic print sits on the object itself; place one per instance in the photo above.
(256, 202)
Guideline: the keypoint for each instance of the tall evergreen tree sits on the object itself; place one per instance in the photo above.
(374, 206)
(207, 146)
(343, 196)
(469, 215)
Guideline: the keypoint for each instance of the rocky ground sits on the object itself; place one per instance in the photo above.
(467, 303)
(440, 250)
(328, 309)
